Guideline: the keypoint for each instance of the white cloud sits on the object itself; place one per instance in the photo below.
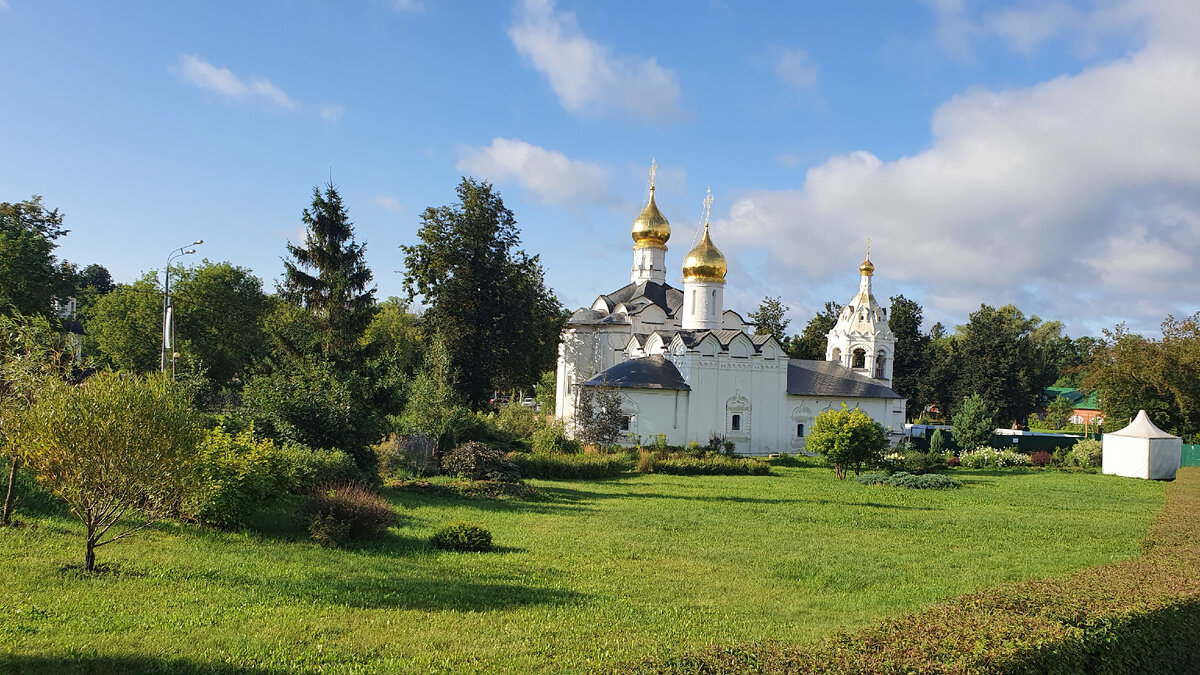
(552, 176)
(587, 78)
(222, 81)
(331, 112)
(1077, 198)
(389, 204)
(1026, 29)
(955, 30)
(795, 69)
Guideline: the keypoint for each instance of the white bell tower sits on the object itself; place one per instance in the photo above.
(861, 340)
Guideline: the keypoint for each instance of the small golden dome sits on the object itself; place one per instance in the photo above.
(705, 262)
(866, 268)
(651, 229)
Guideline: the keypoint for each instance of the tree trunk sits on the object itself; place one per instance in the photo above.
(6, 519)
(89, 559)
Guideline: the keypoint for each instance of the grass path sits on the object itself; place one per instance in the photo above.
(601, 573)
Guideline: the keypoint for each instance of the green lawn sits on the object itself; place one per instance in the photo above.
(602, 573)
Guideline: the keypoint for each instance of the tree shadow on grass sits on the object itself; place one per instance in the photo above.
(96, 664)
(575, 495)
(401, 591)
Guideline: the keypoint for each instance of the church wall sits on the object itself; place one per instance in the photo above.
(804, 410)
(752, 388)
(654, 412)
(584, 351)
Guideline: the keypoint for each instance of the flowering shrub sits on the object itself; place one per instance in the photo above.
(1087, 453)
(984, 457)
(952, 461)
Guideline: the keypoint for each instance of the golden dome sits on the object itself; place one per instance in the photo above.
(866, 268)
(651, 229)
(705, 262)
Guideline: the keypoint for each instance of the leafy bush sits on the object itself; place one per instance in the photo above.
(1087, 453)
(929, 481)
(1041, 458)
(570, 466)
(952, 461)
(475, 461)
(519, 420)
(462, 537)
(338, 514)
(708, 465)
(235, 473)
(984, 457)
(552, 439)
(1132, 616)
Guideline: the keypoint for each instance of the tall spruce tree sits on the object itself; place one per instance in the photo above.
(487, 299)
(328, 274)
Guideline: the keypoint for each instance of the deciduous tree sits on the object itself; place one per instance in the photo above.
(117, 443)
(28, 269)
(847, 439)
(769, 319)
(811, 342)
(488, 301)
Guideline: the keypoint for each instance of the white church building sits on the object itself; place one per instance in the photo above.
(688, 368)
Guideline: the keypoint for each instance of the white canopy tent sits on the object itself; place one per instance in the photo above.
(1142, 450)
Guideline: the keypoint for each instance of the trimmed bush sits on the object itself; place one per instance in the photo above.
(1133, 616)
(462, 537)
(475, 461)
(1041, 458)
(984, 457)
(570, 466)
(900, 479)
(339, 514)
(1087, 453)
(707, 465)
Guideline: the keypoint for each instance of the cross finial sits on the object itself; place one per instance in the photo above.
(708, 200)
(653, 172)
(868, 248)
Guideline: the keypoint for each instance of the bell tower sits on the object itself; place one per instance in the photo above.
(861, 340)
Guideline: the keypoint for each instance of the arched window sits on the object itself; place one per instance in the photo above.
(693, 310)
(880, 361)
(836, 355)
(735, 423)
(799, 431)
(860, 358)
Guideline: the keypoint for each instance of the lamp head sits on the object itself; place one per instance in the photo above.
(197, 242)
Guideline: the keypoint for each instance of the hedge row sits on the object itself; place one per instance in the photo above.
(570, 466)
(1134, 616)
(708, 465)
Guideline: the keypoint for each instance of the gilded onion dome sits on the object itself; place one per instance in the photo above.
(867, 268)
(651, 229)
(705, 262)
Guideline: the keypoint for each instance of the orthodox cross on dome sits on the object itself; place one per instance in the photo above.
(868, 248)
(708, 200)
(653, 173)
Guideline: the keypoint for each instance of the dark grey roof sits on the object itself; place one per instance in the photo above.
(586, 316)
(829, 378)
(648, 292)
(650, 372)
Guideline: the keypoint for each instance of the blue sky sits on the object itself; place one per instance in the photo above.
(1035, 153)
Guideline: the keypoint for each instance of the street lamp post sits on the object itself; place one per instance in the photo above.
(168, 335)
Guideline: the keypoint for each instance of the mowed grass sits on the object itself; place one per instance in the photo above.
(600, 574)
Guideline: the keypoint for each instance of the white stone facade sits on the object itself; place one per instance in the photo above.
(689, 369)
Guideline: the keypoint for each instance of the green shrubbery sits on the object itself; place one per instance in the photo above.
(571, 466)
(339, 514)
(552, 439)
(1133, 616)
(901, 479)
(1086, 453)
(237, 473)
(462, 537)
(678, 464)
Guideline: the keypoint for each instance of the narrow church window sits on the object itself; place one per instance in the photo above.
(860, 359)
(693, 310)
(799, 431)
(836, 355)
(880, 360)
(712, 307)
(625, 422)
(736, 423)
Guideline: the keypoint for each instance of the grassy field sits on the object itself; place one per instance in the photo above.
(601, 573)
